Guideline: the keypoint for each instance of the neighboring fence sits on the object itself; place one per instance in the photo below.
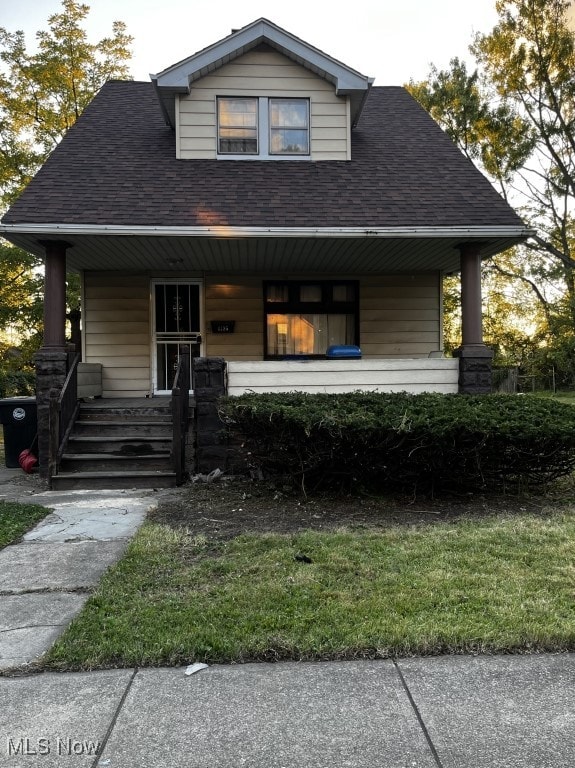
(505, 379)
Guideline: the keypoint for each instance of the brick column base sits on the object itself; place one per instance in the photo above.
(209, 376)
(51, 370)
(475, 369)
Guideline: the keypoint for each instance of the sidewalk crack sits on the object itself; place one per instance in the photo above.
(418, 715)
(28, 626)
(104, 742)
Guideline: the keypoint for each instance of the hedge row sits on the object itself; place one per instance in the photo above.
(424, 441)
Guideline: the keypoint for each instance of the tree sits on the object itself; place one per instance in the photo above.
(42, 94)
(514, 116)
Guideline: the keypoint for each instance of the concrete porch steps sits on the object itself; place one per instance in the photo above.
(119, 445)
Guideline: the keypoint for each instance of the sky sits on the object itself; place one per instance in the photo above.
(391, 40)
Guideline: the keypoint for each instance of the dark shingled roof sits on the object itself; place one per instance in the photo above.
(117, 166)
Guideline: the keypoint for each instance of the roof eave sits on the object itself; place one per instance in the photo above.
(519, 231)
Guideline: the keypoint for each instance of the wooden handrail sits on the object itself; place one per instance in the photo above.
(63, 411)
(180, 413)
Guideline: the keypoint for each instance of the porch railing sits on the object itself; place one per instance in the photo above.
(63, 411)
(180, 413)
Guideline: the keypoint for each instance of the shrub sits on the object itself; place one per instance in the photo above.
(424, 441)
(15, 383)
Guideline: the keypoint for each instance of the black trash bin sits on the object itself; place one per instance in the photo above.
(20, 424)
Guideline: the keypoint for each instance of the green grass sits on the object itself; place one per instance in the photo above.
(562, 396)
(16, 519)
(496, 584)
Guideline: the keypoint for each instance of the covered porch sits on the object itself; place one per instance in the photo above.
(213, 253)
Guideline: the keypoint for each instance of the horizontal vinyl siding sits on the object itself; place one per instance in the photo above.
(400, 315)
(117, 331)
(236, 298)
(263, 74)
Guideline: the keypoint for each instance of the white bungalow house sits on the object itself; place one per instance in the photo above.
(262, 203)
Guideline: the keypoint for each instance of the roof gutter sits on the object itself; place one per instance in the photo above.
(70, 230)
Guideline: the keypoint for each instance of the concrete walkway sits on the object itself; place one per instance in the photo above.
(46, 578)
(446, 712)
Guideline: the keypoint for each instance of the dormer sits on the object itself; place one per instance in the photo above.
(262, 94)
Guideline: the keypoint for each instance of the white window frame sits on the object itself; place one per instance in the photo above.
(284, 154)
(263, 132)
(258, 107)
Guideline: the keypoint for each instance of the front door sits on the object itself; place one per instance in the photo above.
(177, 322)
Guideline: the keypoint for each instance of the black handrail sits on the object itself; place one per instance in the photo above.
(180, 412)
(63, 411)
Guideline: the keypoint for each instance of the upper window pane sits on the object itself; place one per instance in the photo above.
(277, 292)
(343, 292)
(310, 293)
(238, 126)
(289, 126)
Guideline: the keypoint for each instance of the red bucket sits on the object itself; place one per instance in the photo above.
(27, 460)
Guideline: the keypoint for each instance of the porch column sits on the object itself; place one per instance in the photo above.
(209, 377)
(51, 358)
(475, 359)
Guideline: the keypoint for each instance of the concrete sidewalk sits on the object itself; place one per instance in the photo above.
(449, 712)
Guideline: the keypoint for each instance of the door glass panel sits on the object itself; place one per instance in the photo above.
(177, 325)
(177, 308)
(167, 357)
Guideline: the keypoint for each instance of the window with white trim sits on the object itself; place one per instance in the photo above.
(289, 126)
(238, 126)
(262, 127)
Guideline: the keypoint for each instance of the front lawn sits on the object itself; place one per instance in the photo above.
(562, 396)
(503, 582)
(16, 519)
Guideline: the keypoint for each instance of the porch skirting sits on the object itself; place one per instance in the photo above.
(387, 375)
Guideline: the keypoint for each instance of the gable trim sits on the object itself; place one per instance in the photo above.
(179, 77)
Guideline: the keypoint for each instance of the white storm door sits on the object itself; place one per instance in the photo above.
(177, 322)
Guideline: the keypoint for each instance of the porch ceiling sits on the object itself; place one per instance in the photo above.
(267, 252)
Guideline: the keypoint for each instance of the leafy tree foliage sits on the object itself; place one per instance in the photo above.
(514, 116)
(42, 94)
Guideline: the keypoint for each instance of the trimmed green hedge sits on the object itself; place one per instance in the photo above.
(424, 441)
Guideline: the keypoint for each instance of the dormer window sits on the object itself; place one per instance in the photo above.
(289, 126)
(238, 126)
(260, 128)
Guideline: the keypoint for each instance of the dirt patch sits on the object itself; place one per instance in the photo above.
(235, 505)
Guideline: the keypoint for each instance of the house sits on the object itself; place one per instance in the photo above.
(261, 202)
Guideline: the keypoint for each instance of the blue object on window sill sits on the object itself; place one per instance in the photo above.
(343, 352)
